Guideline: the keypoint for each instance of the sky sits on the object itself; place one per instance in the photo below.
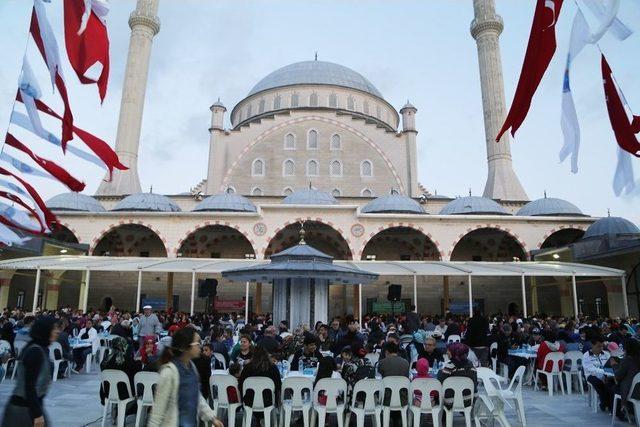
(420, 50)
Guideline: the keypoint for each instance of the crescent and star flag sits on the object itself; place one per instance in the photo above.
(540, 50)
(624, 128)
(87, 42)
(31, 151)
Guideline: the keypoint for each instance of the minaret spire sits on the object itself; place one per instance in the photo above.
(144, 24)
(502, 182)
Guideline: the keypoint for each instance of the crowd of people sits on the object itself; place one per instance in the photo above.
(183, 349)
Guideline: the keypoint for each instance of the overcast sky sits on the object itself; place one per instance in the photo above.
(418, 50)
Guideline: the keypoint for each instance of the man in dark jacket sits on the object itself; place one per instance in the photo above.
(430, 351)
(413, 320)
(308, 355)
(269, 341)
(476, 337)
(203, 364)
(352, 339)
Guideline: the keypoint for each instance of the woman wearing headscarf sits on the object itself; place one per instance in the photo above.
(119, 357)
(458, 366)
(149, 353)
(26, 405)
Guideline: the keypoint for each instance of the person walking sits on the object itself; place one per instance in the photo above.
(149, 323)
(26, 405)
(178, 401)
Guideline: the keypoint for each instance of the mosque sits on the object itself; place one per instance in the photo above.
(316, 143)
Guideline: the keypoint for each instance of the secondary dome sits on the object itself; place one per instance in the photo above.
(549, 206)
(74, 202)
(611, 226)
(315, 73)
(473, 205)
(393, 203)
(147, 202)
(309, 196)
(228, 202)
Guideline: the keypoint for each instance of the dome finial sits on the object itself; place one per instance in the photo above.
(608, 212)
(228, 189)
(151, 189)
(469, 192)
(310, 186)
(316, 55)
(545, 194)
(302, 233)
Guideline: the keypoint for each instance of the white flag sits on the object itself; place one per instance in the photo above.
(580, 36)
(623, 177)
(9, 237)
(606, 12)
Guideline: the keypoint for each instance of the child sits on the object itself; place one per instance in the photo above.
(234, 369)
(422, 368)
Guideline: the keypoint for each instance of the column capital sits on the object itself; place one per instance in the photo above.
(493, 23)
(152, 22)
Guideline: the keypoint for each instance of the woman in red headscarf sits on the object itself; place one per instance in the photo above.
(149, 352)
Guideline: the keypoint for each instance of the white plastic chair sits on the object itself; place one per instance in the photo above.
(371, 388)
(494, 359)
(574, 361)
(333, 389)
(5, 367)
(618, 398)
(634, 402)
(395, 385)
(487, 375)
(514, 392)
(220, 358)
(298, 387)
(222, 384)
(55, 357)
(113, 377)
(18, 346)
(453, 338)
(259, 385)
(146, 380)
(555, 358)
(458, 385)
(592, 397)
(372, 357)
(426, 386)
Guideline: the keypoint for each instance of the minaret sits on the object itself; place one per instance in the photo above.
(144, 24)
(408, 112)
(216, 149)
(502, 182)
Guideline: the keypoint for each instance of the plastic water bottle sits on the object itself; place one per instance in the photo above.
(300, 366)
(285, 368)
(280, 370)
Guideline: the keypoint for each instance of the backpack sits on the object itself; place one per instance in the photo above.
(364, 371)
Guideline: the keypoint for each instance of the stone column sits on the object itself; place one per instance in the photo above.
(445, 293)
(502, 182)
(614, 298)
(144, 24)
(5, 286)
(566, 298)
(170, 290)
(257, 299)
(534, 296)
(52, 289)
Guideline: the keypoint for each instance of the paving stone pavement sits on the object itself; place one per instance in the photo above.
(74, 402)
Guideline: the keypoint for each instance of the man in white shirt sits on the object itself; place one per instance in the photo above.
(441, 328)
(149, 323)
(593, 363)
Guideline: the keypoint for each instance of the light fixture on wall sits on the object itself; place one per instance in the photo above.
(556, 256)
(63, 251)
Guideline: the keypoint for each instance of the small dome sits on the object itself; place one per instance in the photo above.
(473, 205)
(74, 202)
(147, 202)
(393, 203)
(408, 105)
(310, 196)
(227, 202)
(437, 196)
(549, 206)
(611, 226)
(315, 73)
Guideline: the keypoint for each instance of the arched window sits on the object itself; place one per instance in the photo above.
(276, 102)
(336, 142)
(312, 139)
(261, 106)
(295, 100)
(287, 191)
(256, 191)
(288, 168)
(333, 100)
(336, 168)
(257, 168)
(366, 168)
(351, 105)
(365, 107)
(289, 141)
(312, 168)
(336, 192)
(366, 193)
(313, 100)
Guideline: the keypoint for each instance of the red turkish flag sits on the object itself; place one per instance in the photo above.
(540, 50)
(624, 129)
(86, 49)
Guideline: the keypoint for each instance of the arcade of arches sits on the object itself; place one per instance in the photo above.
(435, 294)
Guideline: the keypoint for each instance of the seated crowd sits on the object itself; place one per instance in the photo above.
(404, 345)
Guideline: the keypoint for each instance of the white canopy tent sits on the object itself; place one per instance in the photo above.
(195, 266)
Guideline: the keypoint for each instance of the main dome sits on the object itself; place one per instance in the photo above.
(315, 73)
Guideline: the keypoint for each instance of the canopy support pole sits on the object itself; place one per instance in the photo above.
(139, 291)
(193, 291)
(36, 290)
(470, 298)
(86, 291)
(415, 292)
(623, 280)
(246, 303)
(524, 297)
(360, 303)
(575, 295)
